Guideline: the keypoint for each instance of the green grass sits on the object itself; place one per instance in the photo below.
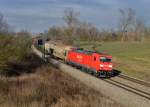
(132, 58)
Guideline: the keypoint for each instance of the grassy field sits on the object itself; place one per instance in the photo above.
(132, 58)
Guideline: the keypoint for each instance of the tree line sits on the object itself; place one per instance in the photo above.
(130, 28)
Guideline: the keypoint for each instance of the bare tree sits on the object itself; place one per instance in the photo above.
(4, 27)
(127, 21)
(131, 26)
(71, 17)
(140, 29)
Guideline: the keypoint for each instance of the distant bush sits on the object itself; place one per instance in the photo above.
(130, 28)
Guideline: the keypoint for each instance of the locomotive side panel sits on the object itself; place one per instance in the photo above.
(91, 61)
(79, 58)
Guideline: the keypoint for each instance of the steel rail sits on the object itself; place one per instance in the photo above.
(128, 88)
(142, 82)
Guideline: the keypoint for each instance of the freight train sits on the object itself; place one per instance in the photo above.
(99, 64)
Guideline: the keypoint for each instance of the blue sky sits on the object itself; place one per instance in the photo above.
(39, 15)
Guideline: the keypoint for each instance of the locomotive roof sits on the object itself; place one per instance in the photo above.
(88, 52)
(58, 43)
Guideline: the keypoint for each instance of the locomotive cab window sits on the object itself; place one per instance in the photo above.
(94, 58)
(104, 59)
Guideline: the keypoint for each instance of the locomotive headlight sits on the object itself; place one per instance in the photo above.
(101, 65)
(110, 66)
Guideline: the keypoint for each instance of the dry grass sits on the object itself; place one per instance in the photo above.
(48, 87)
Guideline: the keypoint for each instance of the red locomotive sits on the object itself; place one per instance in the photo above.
(98, 63)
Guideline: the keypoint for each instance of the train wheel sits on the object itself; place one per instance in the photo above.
(78, 67)
(91, 72)
(83, 69)
(103, 74)
(96, 74)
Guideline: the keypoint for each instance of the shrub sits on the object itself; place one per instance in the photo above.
(15, 54)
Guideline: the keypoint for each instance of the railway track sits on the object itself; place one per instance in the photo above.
(136, 86)
(140, 87)
(129, 88)
(129, 94)
(135, 80)
(136, 89)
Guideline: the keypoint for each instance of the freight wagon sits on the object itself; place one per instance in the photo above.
(57, 49)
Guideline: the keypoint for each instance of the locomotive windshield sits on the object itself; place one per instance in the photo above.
(105, 59)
